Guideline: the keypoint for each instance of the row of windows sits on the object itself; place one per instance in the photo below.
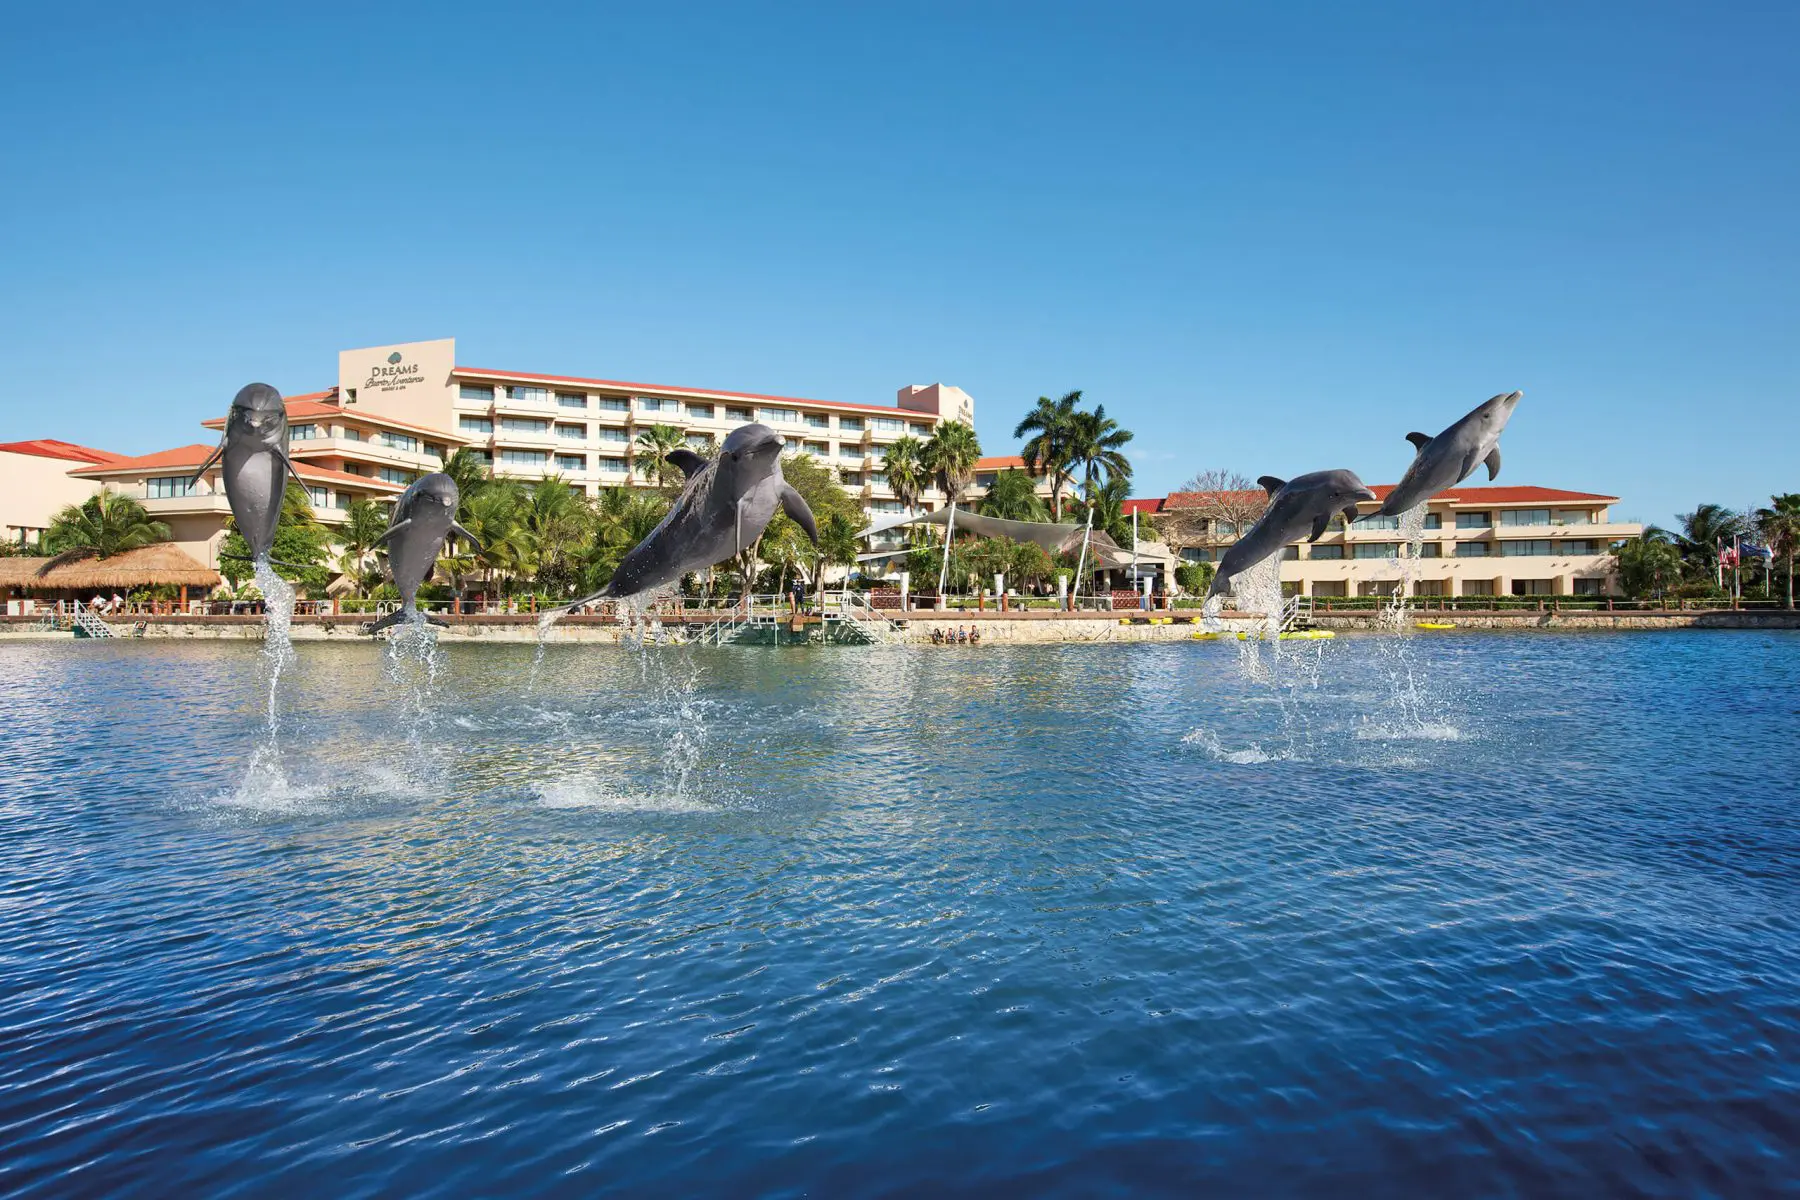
(668, 406)
(388, 438)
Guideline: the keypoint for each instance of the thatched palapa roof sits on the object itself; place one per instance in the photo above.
(147, 566)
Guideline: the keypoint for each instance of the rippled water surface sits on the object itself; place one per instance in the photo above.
(1476, 915)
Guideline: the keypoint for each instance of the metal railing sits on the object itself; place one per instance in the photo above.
(868, 621)
(91, 625)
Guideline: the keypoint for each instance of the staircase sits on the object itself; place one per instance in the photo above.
(1296, 614)
(863, 620)
(89, 625)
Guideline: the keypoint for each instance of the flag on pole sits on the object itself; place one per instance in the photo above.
(1755, 551)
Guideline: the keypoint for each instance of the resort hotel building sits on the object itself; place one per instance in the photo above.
(1478, 541)
(399, 411)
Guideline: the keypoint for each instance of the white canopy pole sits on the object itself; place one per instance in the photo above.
(944, 571)
(1081, 562)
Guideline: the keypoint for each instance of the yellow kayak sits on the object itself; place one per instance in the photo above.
(1204, 637)
(1434, 624)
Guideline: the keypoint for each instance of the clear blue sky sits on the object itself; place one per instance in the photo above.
(1273, 238)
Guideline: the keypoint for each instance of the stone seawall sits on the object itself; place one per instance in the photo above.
(1029, 628)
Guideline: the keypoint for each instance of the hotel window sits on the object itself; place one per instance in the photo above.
(303, 433)
(572, 433)
(475, 391)
(1574, 516)
(1194, 554)
(855, 479)
(614, 404)
(613, 465)
(850, 424)
(1378, 587)
(778, 416)
(1471, 549)
(351, 468)
(485, 457)
(1477, 587)
(1434, 520)
(887, 506)
(655, 404)
(848, 451)
(524, 458)
(617, 437)
(525, 425)
(820, 449)
(1528, 548)
(1331, 589)
(1532, 587)
(1525, 516)
(528, 395)
(354, 435)
(481, 425)
(1474, 520)
(921, 431)
(821, 421)
(435, 450)
(400, 441)
(1320, 553)
(1431, 550)
(984, 481)
(167, 488)
(1429, 587)
(1589, 587)
(1579, 546)
(888, 425)
(703, 412)
(1377, 549)
(394, 475)
(1288, 553)
(572, 400)
(340, 500)
(700, 443)
(879, 479)
(319, 497)
(1374, 522)
(573, 462)
(737, 414)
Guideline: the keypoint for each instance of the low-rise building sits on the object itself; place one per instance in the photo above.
(35, 484)
(1477, 541)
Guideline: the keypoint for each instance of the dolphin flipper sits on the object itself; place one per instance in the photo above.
(438, 621)
(389, 532)
(1493, 464)
(1320, 526)
(292, 469)
(203, 468)
(393, 618)
(1350, 513)
(1419, 441)
(794, 505)
(691, 464)
(1270, 484)
(468, 537)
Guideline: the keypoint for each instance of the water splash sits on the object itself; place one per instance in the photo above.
(265, 772)
(413, 664)
(1405, 564)
(1413, 711)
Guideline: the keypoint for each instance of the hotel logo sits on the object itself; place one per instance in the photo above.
(396, 376)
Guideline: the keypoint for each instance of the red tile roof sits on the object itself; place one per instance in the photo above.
(312, 406)
(661, 389)
(1153, 504)
(51, 448)
(188, 458)
(1000, 462)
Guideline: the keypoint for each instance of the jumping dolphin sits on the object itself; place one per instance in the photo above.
(423, 518)
(256, 464)
(1306, 502)
(722, 511)
(1449, 458)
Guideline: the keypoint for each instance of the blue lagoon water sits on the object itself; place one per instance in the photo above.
(1485, 915)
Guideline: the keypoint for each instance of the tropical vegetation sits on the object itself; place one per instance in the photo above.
(301, 552)
(105, 524)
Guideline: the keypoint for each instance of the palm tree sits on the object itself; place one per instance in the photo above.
(1013, 497)
(470, 471)
(1047, 450)
(105, 524)
(1108, 502)
(492, 515)
(1649, 564)
(656, 443)
(554, 519)
(623, 517)
(365, 522)
(1704, 532)
(950, 455)
(1094, 446)
(1779, 526)
(837, 541)
(906, 473)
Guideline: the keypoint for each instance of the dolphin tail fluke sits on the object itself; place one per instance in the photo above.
(564, 609)
(393, 618)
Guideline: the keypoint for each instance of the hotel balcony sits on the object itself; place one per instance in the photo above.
(372, 453)
(195, 504)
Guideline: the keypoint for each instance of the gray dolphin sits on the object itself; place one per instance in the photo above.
(1296, 506)
(423, 518)
(722, 511)
(256, 464)
(1449, 458)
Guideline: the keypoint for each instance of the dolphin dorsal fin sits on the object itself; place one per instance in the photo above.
(1419, 440)
(1270, 484)
(690, 463)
